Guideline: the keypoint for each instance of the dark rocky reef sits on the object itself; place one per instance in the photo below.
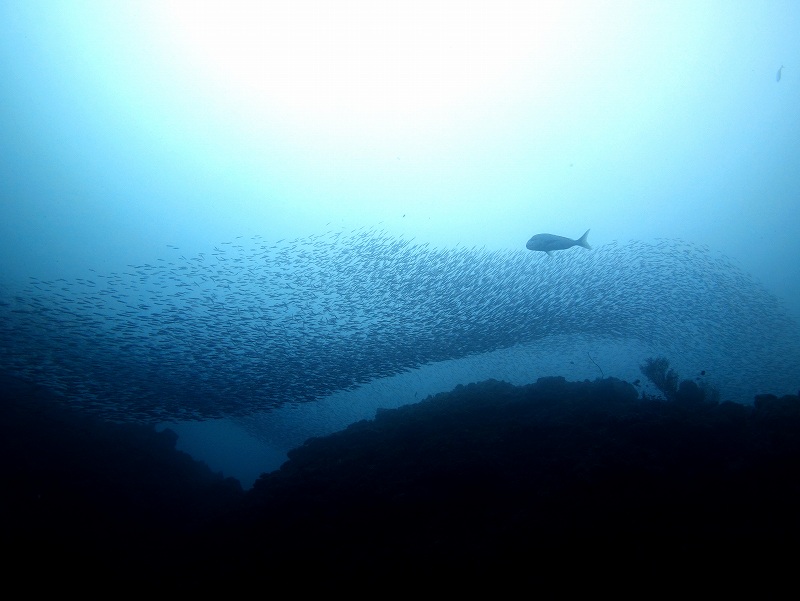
(487, 478)
(86, 496)
(491, 474)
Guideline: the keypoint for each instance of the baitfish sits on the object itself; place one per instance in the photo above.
(778, 75)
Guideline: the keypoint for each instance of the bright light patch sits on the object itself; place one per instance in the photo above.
(354, 63)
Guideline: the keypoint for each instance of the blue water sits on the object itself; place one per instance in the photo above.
(260, 224)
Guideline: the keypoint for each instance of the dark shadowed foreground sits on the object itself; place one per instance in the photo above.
(487, 478)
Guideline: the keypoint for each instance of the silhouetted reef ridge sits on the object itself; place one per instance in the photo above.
(487, 476)
(494, 476)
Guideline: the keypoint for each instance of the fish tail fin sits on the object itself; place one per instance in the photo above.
(582, 240)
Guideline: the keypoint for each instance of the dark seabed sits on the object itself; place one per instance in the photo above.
(526, 483)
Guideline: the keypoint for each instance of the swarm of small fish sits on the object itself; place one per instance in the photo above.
(254, 324)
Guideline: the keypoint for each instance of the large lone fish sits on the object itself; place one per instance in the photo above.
(548, 243)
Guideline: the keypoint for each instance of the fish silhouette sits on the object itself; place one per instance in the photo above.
(549, 242)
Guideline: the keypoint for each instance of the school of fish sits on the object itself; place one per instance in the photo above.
(255, 324)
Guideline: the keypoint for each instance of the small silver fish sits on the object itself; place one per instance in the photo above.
(549, 242)
(778, 75)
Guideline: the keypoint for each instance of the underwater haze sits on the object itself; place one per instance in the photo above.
(258, 222)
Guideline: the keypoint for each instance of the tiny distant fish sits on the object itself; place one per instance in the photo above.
(778, 74)
(548, 243)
